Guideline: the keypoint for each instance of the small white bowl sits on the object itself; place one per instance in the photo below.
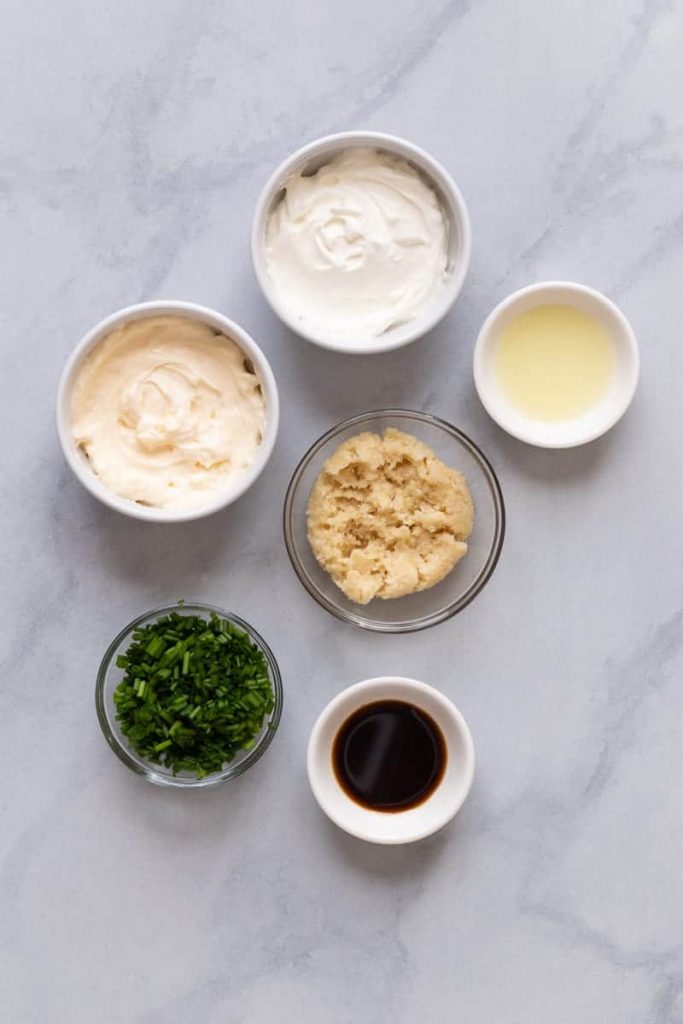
(313, 156)
(78, 462)
(595, 421)
(394, 827)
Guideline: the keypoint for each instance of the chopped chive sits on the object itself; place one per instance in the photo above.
(195, 692)
(155, 646)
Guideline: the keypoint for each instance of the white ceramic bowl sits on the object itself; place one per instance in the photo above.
(397, 826)
(595, 421)
(312, 157)
(79, 463)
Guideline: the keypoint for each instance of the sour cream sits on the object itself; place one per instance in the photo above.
(357, 248)
(167, 412)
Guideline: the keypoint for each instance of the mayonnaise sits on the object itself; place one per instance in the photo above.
(358, 247)
(168, 411)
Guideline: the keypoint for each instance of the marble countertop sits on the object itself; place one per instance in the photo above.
(135, 139)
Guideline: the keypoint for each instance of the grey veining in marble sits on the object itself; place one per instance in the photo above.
(135, 138)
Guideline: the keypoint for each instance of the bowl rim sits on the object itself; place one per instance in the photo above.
(411, 691)
(497, 410)
(484, 575)
(150, 771)
(456, 213)
(144, 311)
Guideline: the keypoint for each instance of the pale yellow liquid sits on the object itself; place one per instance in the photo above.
(554, 362)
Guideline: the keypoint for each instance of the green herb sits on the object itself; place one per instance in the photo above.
(194, 693)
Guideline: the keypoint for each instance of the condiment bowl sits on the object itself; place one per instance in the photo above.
(397, 826)
(309, 159)
(464, 582)
(596, 420)
(109, 676)
(78, 461)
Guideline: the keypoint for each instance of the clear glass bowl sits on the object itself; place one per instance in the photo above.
(470, 575)
(109, 676)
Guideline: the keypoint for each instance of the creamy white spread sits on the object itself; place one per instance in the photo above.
(358, 247)
(167, 411)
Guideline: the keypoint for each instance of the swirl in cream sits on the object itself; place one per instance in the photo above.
(358, 247)
(167, 411)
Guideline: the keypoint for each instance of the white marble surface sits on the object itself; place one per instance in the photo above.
(135, 137)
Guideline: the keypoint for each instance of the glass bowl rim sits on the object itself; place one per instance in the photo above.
(484, 575)
(149, 771)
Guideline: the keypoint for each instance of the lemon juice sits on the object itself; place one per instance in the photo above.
(554, 362)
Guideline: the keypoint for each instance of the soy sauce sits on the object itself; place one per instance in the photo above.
(389, 756)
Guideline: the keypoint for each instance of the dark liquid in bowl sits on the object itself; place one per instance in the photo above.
(389, 756)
